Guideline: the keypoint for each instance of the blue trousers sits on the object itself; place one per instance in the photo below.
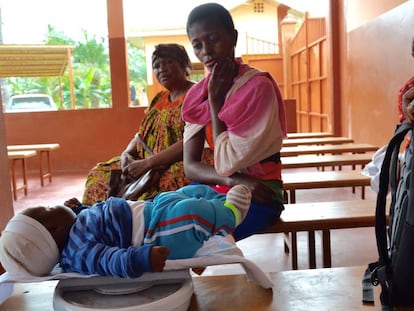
(182, 220)
(258, 218)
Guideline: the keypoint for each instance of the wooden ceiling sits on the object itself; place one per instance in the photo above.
(33, 60)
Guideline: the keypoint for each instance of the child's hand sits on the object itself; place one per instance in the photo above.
(72, 203)
(158, 256)
(198, 270)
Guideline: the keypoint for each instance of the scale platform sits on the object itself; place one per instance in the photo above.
(169, 290)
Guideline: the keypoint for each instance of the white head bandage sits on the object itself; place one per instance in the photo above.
(27, 248)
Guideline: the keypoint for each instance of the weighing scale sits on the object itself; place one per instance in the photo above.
(169, 291)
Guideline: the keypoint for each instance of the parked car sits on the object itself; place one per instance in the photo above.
(31, 102)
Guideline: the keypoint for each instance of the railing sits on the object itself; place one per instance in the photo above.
(259, 46)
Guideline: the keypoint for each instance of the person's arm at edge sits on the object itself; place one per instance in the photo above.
(194, 168)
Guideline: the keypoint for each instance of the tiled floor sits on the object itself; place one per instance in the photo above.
(350, 247)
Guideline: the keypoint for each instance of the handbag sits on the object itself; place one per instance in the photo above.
(122, 186)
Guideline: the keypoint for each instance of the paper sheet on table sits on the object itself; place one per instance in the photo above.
(216, 251)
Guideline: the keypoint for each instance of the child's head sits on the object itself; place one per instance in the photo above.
(31, 243)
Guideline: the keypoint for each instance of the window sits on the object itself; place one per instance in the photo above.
(76, 23)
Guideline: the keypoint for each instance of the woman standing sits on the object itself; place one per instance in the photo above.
(158, 143)
(238, 110)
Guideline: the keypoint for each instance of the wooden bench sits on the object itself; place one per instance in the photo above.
(323, 149)
(321, 216)
(327, 160)
(309, 135)
(42, 149)
(334, 140)
(326, 179)
(22, 156)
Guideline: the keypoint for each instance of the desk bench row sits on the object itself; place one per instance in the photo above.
(20, 153)
(321, 216)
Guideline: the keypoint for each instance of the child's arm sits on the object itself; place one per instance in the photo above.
(96, 258)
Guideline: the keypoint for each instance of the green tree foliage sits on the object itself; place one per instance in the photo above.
(91, 73)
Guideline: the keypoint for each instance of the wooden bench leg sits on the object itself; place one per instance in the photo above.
(292, 195)
(24, 176)
(24, 169)
(294, 248)
(311, 249)
(48, 173)
(326, 248)
(363, 193)
(291, 243)
(14, 183)
(286, 242)
(285, 197)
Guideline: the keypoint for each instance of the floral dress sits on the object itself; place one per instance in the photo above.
(161, 127)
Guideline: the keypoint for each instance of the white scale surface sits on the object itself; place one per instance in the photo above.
(170, 291)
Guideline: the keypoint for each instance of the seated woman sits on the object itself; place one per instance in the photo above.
(238, 110)
(158, 143)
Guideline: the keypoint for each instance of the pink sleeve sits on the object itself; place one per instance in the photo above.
(253, 127)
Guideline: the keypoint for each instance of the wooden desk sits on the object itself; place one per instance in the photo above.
(309, 135)
(327, 179)
(326, 160)
(333, 149)
(22, 156)
(300, 290)
(316, 141)
(321, 216)
(43, 149)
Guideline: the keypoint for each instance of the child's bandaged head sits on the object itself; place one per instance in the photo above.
(27, 248)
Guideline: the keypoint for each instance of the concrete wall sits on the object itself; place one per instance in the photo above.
(85, 136)
(377, 63)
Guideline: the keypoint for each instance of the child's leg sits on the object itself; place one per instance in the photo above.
(259, 217)
(184, 226)
(183, 220)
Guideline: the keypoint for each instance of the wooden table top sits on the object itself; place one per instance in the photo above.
(33, 147)
(330, 215)
(334, 149)
(299, 290)
(316, 141)
(21, 154)
(326, 160)
(309, 135)
(326, 179)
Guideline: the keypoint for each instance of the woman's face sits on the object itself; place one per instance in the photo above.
(211, 41)
(168, 72)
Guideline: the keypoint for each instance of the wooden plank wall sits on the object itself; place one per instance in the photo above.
(309, 76)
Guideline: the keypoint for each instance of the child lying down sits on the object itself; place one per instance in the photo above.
(120, 238)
